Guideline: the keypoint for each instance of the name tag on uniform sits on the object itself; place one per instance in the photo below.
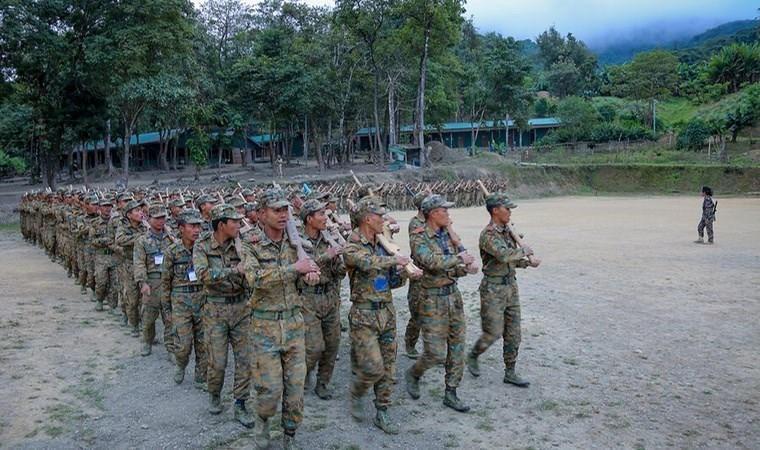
(381, 284)
(158, 259)
(191, 275)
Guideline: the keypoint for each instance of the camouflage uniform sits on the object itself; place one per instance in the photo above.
(86, 250)
(148, 259)
(102, 241)
(499, 298)
(413, 296)
(126, 236)
(441, 308)
(277, 325)
(708, 217)
(372, 320)
(321, 308)
(181, 287)
(226, 314)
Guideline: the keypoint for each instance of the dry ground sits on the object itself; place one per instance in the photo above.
(633, 337)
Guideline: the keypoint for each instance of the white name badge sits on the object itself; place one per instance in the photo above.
(191, 275)
(158, 259)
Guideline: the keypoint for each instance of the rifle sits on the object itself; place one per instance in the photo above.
(512, 232)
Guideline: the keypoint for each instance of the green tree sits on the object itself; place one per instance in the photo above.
(735, 66)
(578, 117)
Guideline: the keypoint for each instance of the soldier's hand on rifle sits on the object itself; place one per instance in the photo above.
(528, 251)
(145, 289)
(402, 260)
(535, 262)
(416, 274)
(306, 265)
(311, 278)
(472, 268)
(466, 258)
(334, 251)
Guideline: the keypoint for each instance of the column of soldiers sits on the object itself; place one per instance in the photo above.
(261, 274)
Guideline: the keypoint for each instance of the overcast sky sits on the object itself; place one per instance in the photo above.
(596, 21)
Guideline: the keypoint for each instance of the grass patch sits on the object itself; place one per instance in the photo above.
(548, 405)
(53, 430)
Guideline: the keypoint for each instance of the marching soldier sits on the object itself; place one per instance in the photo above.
(441, 310)
(412, 334)
(126, 236)
(148, 259)
(272, 268)
(499, 298)
(181, 287)
(226, 314)
(373, 273)
(708, 217)
(322, 301)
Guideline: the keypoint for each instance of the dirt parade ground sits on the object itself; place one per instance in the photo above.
(633, 337)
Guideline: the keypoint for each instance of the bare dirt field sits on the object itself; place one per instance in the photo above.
(633, 337)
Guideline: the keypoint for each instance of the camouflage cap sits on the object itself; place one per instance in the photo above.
(205, 198)
(434, 201)
(418, 198)
(189, 216)
(125, 196)
(248, 192)
(310, 207)
(91, 199)
(368, 205)
(225, 211)
(106, 201)
(156, 211)
(132, 204)
(251, 206)
(176, 203)
(273, 198)
(499, 199)
(235, 201)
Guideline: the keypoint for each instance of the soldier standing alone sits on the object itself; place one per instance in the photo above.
(708, 217)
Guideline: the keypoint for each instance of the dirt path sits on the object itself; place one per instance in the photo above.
(633, 337)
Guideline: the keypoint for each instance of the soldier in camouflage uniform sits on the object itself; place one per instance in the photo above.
(708, 217)
(499, 298)
(322, 301)
(118, 219)
(148, 259)
(441, 309)
(205, 203)
(414, 294)
(372, 274)
(126, 236)
(102, 241)
(181, 287)
(175, 209)
(226, 314)
(273, 269)
(86, 250)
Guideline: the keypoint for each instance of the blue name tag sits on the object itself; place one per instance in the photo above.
(381, 284)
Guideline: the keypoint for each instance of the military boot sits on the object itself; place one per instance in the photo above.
(322, 391)
(124, 320)
(201, 384)
(411, 352)
(83, 290)
(146, 349)
(412, 384)
(309, 381)
(261, 439)
(179, 375)
(136, 332)
(701, 240)
(242, 415)
(452, 401)
(357, 408)
(383, 421)
(99, 306)
(92, 297)
(214, 404)
(512, 378)
(710, 242)
(289, 441)
(472, 364)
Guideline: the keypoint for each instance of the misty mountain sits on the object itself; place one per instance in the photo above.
(693, 39)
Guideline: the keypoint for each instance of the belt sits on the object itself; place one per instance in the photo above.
(154, 276)
(319, 289)
(443, 290)
(229, 299)
(275, 315)
(374, 306)
(104, 251)
(504, 279)
(187, 289)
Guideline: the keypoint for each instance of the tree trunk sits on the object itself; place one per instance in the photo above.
(70, 163)
(85, 159)
(420, 118)
(723, 151)
(306, 139)
(163, 147)
(375, 112)
(174, 152)
(392, 140)
(219, 162)
(125, 150)
(107, 148)
(318, 152)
